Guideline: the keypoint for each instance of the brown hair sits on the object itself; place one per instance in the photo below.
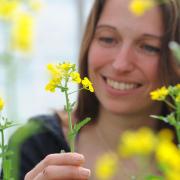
(88, 104)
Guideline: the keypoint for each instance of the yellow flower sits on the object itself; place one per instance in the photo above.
(87, 84)
(141, 142)
(55, 71)
(168, 154)
(106, 166)
(75, 77)
(139, 7)
(8, 8)
(66, 66)
(22, 32)
(1, 103)
(51, 86)
(159, 94)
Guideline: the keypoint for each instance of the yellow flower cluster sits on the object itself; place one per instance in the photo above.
(159, 94)
(141, 142)
(1, 104)
(66, 72)
(106, 166)
(139, 7)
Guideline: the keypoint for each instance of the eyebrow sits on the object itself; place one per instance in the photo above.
(153, 36)
(105, 26)
(144, 35)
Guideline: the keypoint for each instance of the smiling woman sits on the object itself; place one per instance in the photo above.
(126, 57)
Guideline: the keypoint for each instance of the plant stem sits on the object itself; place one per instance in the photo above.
(3, 153)
(170, 104)
(75, 91)
(68, 109)
(177, 129)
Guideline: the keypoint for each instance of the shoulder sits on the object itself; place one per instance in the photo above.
(39, 131)
(32, 142)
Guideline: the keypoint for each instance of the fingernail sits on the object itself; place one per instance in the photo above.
(85, 172)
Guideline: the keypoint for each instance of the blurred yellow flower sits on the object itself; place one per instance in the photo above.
(172, 174)
(8, 8)
(139, 7)
(1, 103)
(178, 98)
(36, 5)
(140, 142)
(178, 86)
(22, 32)
(87, 84)
(168, 154)
(165, 135)
(106, 166)
(159, 94)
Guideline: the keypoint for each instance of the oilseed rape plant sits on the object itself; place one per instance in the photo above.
(5, 153)
(61, 75)
(171, 96)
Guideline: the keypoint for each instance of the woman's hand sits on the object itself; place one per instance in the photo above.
(62, 166)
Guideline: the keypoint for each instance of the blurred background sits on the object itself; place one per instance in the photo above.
(34, 33)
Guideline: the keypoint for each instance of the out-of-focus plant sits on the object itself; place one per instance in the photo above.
(154, 153)
(5, 154)
(17, 25)
(171, 96)
(61, 76)
(139, 7)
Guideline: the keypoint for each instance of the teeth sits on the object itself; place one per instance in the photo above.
(121, 85)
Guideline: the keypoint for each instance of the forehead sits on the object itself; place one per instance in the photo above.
(117, 14)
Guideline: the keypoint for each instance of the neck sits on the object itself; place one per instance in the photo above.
(111, 125)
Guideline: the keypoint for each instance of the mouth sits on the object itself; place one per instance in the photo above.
(120, 85)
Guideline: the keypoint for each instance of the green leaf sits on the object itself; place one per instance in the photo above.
(162, 118)
(82, 123)
(73, 104)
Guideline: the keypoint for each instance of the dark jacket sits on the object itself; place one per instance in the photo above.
(31, 143)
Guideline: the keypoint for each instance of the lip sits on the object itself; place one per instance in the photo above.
(115, 92)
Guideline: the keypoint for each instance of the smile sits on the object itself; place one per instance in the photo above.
(121, 85)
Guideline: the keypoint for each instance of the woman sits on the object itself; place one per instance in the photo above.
(125, 57)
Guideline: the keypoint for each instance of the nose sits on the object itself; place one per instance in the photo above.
(124, 59)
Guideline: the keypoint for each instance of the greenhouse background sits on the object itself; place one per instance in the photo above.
(58, 31)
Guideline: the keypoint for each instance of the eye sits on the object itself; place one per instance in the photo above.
(107, 41)
(152, 50)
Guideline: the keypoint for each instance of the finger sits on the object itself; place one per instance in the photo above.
(73, 159)
(64, 172)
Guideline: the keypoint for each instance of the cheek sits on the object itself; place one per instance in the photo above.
(152, 70)
(97, 57)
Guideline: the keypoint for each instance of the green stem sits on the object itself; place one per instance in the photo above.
(3, 153)
(68, 109)
(178, 130)
(75, 91)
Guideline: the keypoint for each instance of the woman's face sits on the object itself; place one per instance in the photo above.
(124, 58)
